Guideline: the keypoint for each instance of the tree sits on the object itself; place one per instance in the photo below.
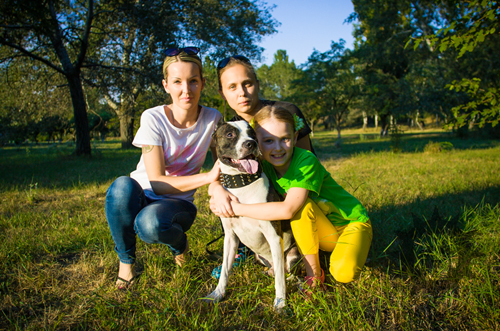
(32, 97)
(480, 23)
(327, 86)
(219, 28)
(334, 82)
(98, 41)
(276, 80)
(381, 34)
(210, 96)
(57, 34)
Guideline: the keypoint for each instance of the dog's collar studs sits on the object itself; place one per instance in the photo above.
(234, 181)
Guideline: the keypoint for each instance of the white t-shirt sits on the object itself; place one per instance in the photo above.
(184, 149)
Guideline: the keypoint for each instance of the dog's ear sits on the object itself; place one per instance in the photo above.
(221, 122)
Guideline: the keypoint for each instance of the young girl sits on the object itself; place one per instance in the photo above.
(322, 214)
(156, 201)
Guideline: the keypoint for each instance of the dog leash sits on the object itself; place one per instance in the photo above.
(211, 254)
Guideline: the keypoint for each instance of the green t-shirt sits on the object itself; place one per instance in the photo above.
(307, 172)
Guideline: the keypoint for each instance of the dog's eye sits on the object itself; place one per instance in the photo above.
(230, 135)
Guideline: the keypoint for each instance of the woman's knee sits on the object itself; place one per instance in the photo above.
(184, 219)
(124, 200)
(164, 223)
(123, 189)
(151, 231)
(147, 229)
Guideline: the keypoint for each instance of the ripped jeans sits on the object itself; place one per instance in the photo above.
(129, 212)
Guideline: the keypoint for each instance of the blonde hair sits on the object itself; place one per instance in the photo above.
(231, 63)
(278, 113)
(181, 57)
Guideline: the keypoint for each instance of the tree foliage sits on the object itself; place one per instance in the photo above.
(116, 44)
(476, 30)
(35, 102)
(328, 85)
(57, 36)
(381, 32)
(276, 80)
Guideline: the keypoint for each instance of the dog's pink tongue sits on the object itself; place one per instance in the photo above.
(250, 166)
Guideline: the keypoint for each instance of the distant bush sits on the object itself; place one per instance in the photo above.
(438, 147)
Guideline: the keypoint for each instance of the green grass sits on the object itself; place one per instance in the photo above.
(434, 262)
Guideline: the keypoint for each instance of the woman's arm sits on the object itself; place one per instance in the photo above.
(163, 184)
(274, 211)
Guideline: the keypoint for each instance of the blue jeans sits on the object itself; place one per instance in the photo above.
(129, 212)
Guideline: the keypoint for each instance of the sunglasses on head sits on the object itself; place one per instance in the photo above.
(224, 62)
(176, 51)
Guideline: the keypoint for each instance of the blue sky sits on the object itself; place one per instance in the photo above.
(307, 25)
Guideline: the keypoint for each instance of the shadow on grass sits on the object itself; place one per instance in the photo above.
(395, 239)
(415, 142)
(52, 166)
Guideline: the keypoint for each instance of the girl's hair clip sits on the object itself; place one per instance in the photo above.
(299, 122)
(252, 123)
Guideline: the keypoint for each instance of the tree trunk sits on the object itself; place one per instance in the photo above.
(417, 121)
(338, 122)
(376, 121)
(126, 112)
(472, 122)
(384, 125)
(127, 99)
(72, 73)
(365, 121)
(126, 129)
(80, 113)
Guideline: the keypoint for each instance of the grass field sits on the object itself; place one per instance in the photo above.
(434, 263)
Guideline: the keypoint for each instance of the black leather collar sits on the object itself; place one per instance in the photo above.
(241, 180)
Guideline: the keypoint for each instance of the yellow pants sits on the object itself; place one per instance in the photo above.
(349, 243)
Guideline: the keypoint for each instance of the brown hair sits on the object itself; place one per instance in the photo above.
(232, 62)
(181, 57)
(278, 113)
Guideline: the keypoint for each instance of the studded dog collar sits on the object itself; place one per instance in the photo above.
(241, 180)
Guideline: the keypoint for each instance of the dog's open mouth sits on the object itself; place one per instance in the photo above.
(248, 164)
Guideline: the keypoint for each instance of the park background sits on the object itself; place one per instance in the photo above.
(404, 116)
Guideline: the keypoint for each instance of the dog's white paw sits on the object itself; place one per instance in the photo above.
(213, 297)
(279, 303)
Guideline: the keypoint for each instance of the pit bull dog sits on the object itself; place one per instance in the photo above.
(241, 174)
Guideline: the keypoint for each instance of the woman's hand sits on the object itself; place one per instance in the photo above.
(213, 175)
(220, 200)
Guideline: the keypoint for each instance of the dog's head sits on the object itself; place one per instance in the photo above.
(237, 146)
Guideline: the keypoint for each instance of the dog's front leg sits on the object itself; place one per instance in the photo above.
(231, 243)
(276, 244)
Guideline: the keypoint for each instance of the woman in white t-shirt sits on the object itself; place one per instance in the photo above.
(156, 201)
